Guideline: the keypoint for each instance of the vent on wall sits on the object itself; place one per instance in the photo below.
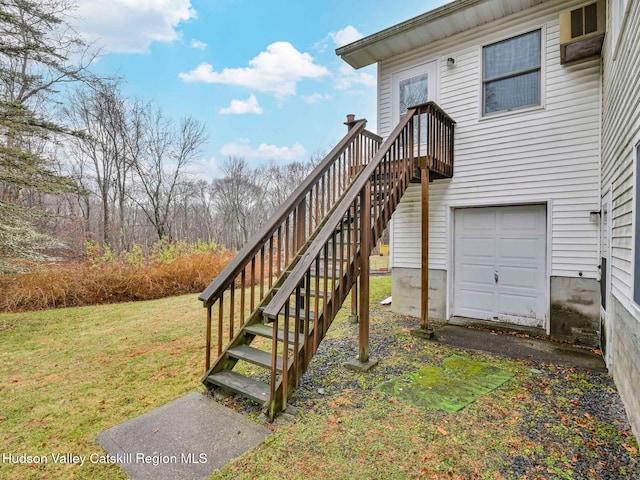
(582, 31)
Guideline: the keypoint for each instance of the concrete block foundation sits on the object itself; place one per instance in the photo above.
(624, 345)
(406, 292)
(575, 310)
(575, 303)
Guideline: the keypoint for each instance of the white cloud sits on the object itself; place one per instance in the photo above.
(315, 97)
(347, 35)
(348, 78)
(239, 107)
(276, 70)
(131, 26)
(243, 148)
(197, 44)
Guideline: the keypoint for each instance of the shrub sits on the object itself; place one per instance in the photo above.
(169, 269)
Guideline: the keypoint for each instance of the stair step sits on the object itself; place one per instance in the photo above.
(266, 331)
(235, 382)
(254, 355)
(329, 270)
(330, 259)
(303, 292)
(292, 313)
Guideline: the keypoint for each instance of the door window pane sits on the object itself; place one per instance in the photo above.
(413, 91)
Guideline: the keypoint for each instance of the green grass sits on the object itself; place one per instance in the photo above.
(378, 262)
(67, 375)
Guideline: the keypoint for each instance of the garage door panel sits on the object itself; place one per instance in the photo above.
(518, 249)
(477, 274)
(518, 305)
(509, 242)
(477, 220)
(478, 303)
(518, 220)
(477, 247)
(520, 277)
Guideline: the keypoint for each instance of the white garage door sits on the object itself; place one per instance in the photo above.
(499, 260)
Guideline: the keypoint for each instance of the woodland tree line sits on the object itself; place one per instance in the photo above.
(79, 161)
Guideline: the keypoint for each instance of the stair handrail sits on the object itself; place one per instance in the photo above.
(277, 303)
(260, 238)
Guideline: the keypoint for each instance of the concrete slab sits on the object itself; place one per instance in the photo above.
(187, 439)
(535, 349)
(358, 366)
(422, 333)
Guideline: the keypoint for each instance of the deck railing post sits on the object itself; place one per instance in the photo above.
(353, 317)
(208, 353)
(301, 224)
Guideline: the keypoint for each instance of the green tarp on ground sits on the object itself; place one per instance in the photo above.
(459, 382)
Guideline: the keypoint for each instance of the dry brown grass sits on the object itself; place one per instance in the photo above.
(118, 280)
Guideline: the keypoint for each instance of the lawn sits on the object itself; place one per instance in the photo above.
(67, 375)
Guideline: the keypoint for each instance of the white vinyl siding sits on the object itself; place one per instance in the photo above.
(548, 153)
(620, 133)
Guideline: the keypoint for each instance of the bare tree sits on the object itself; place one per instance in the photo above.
(112, 138)
(282, 180)
(239, 199)
(161, 164)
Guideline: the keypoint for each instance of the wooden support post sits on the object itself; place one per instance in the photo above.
(424, 304)
(424, 330)
(363, 362)
(365, 239)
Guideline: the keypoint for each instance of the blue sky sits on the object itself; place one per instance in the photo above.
(262, 75)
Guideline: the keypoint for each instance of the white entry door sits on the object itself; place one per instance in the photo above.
(414, 86)
(499, 262)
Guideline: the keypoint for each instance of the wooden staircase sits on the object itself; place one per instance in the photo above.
(272, 306)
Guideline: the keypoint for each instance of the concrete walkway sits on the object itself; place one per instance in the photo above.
(535, 349)
(186, 439)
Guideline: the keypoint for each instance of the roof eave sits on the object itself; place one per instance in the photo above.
(354, 53)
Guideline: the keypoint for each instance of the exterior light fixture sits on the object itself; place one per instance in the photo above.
(451, 61)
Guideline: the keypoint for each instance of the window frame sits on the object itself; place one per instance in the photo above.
(516, 73)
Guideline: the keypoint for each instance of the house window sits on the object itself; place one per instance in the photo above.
(636, 209)
(511, 73)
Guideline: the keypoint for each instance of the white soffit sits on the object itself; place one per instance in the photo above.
(455, 17)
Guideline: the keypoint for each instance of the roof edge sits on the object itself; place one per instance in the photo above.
(425, 18)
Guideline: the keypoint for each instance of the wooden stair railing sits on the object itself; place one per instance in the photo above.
(308, 299)
(262, 264)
